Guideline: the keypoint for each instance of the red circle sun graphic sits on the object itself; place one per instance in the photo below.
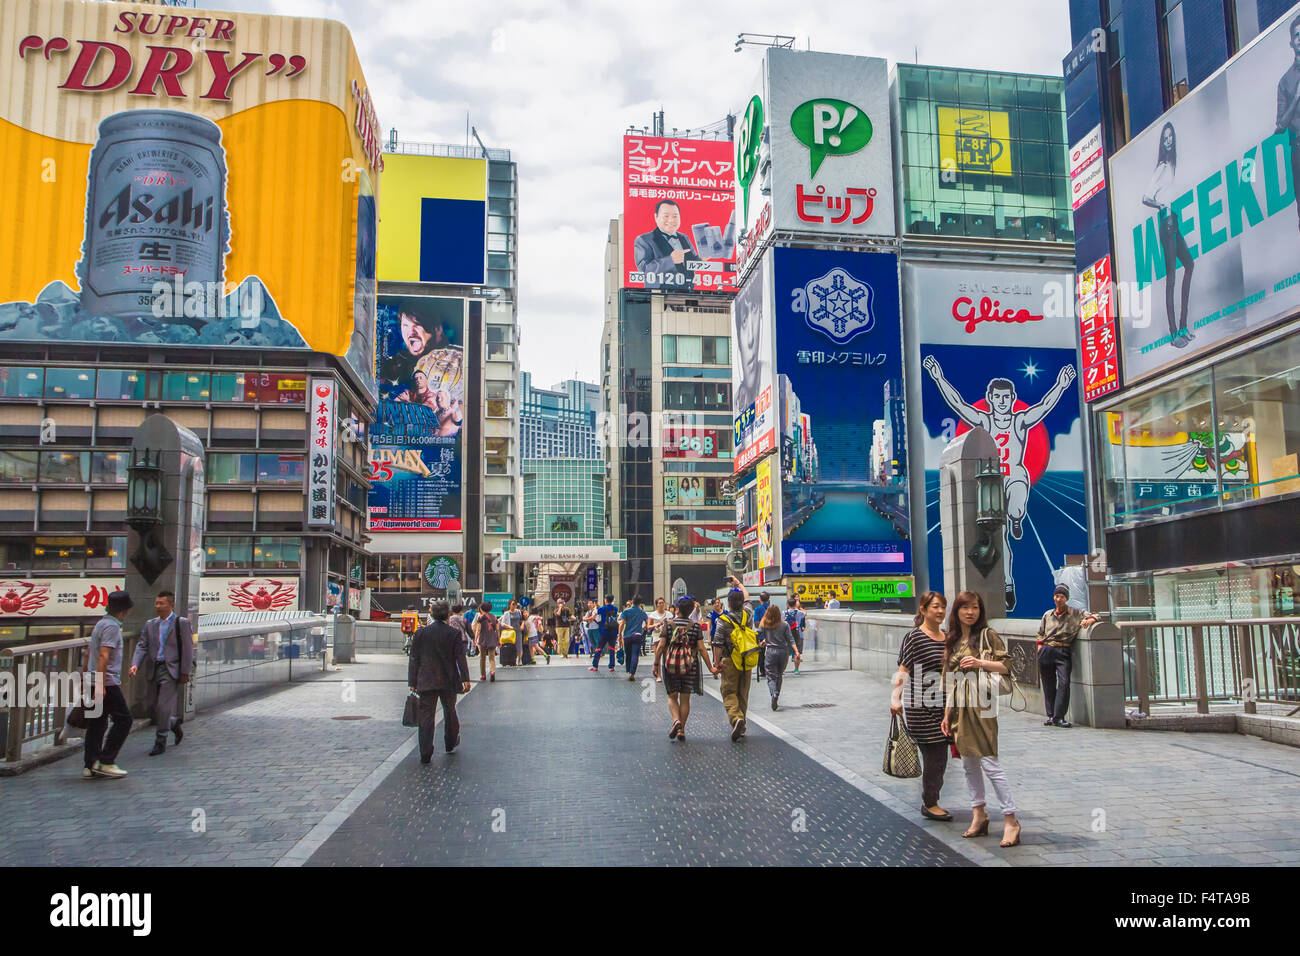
(1038, 448)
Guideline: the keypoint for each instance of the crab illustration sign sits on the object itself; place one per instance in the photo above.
(222, 594)
(839, 305)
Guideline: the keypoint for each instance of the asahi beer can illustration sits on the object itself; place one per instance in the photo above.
(155, 211)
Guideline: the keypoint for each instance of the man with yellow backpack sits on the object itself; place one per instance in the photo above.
(735, 645)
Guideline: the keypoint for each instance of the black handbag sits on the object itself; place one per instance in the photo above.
(76, 718)
(409, 717)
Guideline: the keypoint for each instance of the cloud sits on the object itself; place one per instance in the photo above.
(557, 83)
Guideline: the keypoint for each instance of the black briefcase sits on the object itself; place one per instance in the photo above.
(409, 718)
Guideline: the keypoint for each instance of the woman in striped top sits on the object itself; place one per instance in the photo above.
(919, 696)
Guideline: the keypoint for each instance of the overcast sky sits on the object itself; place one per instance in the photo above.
(558, 82)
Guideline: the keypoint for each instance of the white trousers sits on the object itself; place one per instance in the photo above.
(976, 769)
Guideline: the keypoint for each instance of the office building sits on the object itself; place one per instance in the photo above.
(1181, 120)
(558, 422)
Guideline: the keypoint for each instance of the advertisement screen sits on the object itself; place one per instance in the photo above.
(839, 343)
(696, 443)
(416, 438)
(435, 219)
(751, 369)
(763, 506)
(679, 214)
(697, 539)
(686, 491)
(1205, 211)
(993, 356)
(832, 149)
(146, 221)
(974, 141)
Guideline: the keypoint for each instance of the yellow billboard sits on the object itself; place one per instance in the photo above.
(186, 177)
(975, 141)
(434, 227)
(766, 531)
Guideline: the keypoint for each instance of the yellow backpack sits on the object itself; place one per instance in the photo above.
(744, 642)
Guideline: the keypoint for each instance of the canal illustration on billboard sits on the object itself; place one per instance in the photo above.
(839, 359)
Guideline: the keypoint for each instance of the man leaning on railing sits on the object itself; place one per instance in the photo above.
(1057, 632)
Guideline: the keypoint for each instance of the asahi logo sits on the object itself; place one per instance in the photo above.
(140, 207)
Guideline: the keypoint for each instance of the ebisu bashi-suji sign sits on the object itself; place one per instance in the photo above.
(186, 177)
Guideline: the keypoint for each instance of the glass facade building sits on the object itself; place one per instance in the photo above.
(982, 154)
(559, 422)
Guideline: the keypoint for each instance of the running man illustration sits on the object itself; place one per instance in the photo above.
(1009, 429)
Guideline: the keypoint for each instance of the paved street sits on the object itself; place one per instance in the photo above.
(559, 766)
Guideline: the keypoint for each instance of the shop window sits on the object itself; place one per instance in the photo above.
(69, 467)
(1258, 407)
(117, 384)
(18, 467)
(1158, 453)
(15, 554)
(227, 469)
(106, 553)
(228, 553)
(59, 554)
(276, 554)
(69, 383)
(109, 467)
(186, 387)
(1173, 42)
(227, 386)
(280, 469)
(21, 382)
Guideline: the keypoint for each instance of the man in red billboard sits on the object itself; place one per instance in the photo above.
(662, 253)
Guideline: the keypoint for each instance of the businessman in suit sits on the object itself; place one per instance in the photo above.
(166, 651)
(438, 671)
(663, 250)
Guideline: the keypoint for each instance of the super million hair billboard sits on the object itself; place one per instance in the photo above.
(1205, 210)
(186, 177)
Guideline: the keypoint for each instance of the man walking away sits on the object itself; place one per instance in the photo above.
(104, 661)
(738, 617)
(457, 620)
(1057, 632)
(166, 649)
(631, 634)
(437, 671)
(607, 633)
(487, 636)
(795, 617)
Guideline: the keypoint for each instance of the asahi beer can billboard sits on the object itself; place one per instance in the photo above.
(186, 178)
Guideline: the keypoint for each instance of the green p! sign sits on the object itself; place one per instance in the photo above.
(751, 133)
(830, 128)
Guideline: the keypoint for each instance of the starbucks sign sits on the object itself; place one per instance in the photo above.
(441, 572)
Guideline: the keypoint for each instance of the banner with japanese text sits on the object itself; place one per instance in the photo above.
(679, 213)
(322, 428)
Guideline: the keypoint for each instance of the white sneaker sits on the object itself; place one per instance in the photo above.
(109, 770)
(87, 773)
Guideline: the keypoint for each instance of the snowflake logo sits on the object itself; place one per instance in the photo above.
(839, 306)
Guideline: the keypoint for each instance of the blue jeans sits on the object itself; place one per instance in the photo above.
(606, 644)
(631, 652)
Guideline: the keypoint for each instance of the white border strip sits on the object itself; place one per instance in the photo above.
(883, 797)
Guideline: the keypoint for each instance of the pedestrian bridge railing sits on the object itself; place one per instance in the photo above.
(1228, 661)
(230, 660)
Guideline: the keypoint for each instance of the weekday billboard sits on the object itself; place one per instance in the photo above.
(679, 214)
(153, 165)
(839, 346)
(1205, 210)
(416, 439)
(996, 354)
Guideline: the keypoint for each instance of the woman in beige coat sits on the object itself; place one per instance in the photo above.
(974, 650)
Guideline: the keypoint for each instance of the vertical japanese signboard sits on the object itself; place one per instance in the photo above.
(679, 214)
(321, 427)
(1098, 350)
(755, 418)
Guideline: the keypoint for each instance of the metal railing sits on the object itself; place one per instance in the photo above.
(229, 661)
(446, 150)
(1246, 660)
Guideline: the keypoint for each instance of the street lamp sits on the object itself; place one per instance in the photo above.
(990, 514)
(144, 513)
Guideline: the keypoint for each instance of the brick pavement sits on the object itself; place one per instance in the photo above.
(263, 771)
(559, 766)
(278, 780)
(1164, 798)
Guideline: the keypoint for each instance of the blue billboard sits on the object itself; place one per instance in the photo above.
(839, 349)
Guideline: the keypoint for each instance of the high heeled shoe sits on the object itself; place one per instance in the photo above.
(982, 830)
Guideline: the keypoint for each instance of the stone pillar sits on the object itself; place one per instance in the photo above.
(958, 503)
(1097, 679)
(179, 454)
